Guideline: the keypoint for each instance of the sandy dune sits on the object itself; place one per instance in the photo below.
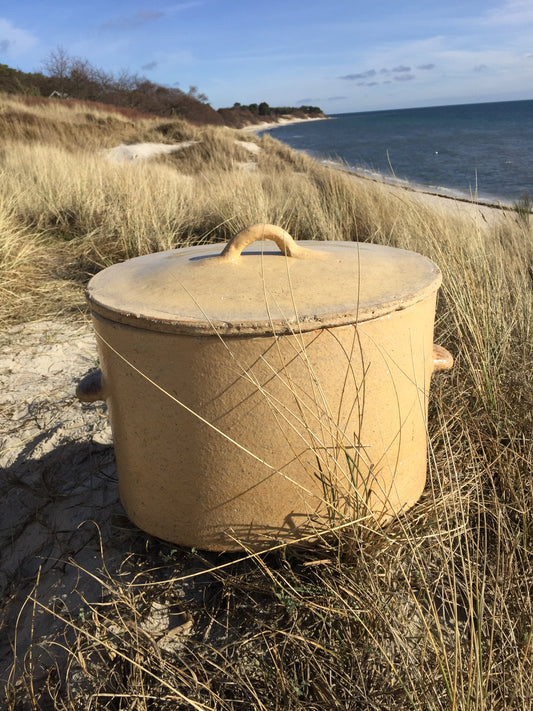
(137, 152)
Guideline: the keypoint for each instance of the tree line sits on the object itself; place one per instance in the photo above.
(263, 109)
(68, 77)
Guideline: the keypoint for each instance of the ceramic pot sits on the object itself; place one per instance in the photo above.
(262, 392)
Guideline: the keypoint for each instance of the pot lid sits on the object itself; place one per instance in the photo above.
(264, 288)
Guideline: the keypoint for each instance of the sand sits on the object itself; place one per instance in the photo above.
(482, 214)
(60, 514)
(257, 127)
(137, 152)
(58, 489)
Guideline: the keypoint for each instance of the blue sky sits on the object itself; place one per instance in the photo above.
(343, 55)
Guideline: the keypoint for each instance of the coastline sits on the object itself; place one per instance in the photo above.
(453, 204)
(434, 193)
(283, 121)
(452, 195)
(448, 205)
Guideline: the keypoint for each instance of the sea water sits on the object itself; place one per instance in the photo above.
(474, 151)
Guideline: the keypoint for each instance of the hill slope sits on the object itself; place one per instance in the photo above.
(77, 79)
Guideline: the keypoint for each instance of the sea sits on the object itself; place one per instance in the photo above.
(472, 151)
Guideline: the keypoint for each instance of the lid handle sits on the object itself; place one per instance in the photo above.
(288, 247)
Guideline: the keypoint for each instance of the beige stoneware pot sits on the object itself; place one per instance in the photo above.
(266, 389)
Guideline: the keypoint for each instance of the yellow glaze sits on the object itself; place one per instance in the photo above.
(215, 288)
(224, 439)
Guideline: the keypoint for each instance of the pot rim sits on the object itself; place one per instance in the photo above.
(302, 286)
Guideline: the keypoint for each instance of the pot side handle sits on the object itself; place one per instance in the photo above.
(91, 388)
(442, 359)
(288, 247)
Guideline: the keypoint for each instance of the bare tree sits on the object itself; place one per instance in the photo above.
(124, 81)
(193, 91)
(58, 63)
(82, 79)
(78, 78)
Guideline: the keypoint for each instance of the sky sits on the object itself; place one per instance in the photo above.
(342, 55)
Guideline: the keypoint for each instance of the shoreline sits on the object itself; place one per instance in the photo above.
(419, 188)
(450, 205)
(284, 121)
(456, 203)
(426, 192)
(446, 194)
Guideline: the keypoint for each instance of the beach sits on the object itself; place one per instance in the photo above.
(283, 121)
(482, 211)
(478, 150)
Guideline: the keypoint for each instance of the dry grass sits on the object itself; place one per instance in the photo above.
(433, 612)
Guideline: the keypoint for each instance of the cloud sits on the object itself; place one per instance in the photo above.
(144, 17)
(404, 77)
(149, 66)
(362, 75)
(400, 73)
(510, 12)
(480, 68)
(426, 67)
(13, 40)
(132, 22)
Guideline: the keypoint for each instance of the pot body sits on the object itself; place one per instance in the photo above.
(225, 442)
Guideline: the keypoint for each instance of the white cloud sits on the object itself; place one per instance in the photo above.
(464, 67)
(14, 41)
(445, 56)
(511, 12)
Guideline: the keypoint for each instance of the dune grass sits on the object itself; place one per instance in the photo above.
(432, 612)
